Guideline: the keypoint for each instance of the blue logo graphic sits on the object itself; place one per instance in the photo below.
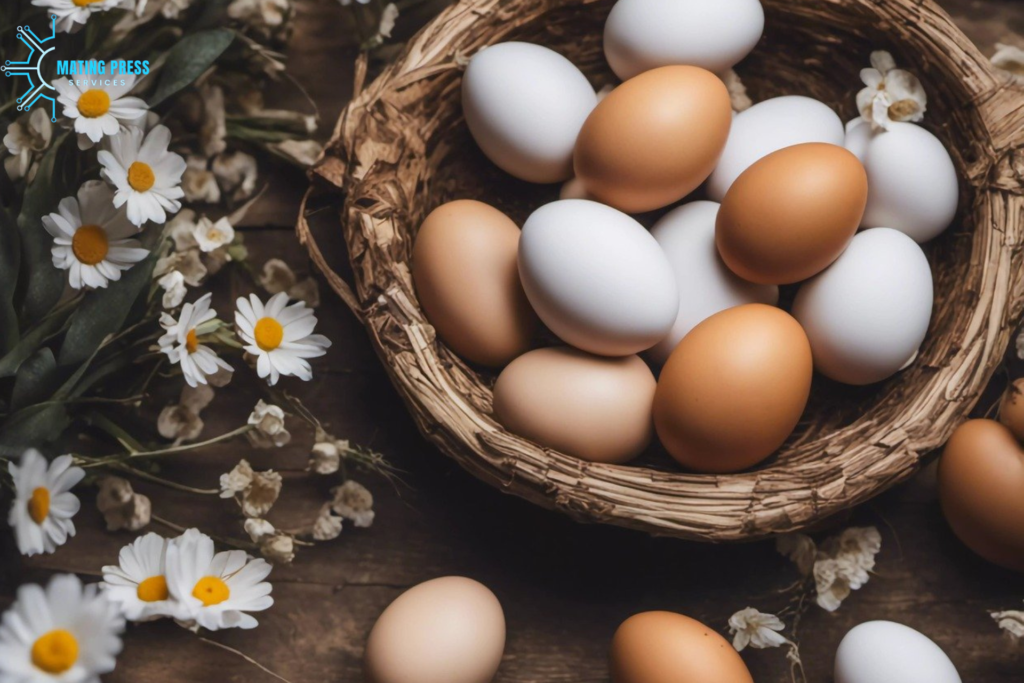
(32, 69)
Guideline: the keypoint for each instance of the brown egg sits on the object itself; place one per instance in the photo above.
(792, 213)
(446, 630)
(467, 279)
(654, 138)
(1011, 409)
(981, 488)
(594, 407)
(733, 389)
(664, 647)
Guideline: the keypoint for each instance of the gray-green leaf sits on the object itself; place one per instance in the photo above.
(103, 313)
(187, 61)
(36, 381)
(10, 262)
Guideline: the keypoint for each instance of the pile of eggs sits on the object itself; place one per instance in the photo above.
(793, 198)
(452, 630)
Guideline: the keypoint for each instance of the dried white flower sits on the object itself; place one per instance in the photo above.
(324, 458)
(187, 262)
(1009, 58)
(800, 549)
(213, 131)
(843, 564)
(1011, 621)
(890, 94)
(173, 284)
(756, 629)
(210, 236)
(172, 9)
(236, 172)
(237, 480)
(302, 152)
(178, 423)
(737, 91)
(277, 276)
(121, 507)
(180, 229)
(26, 138)
(387, 20)
(307, 290)
(262, 493)
(198, 182)
(353, 501)
(258, 529)
(270, 428)
(216, 259)
(279, 548)
(196, 398)
(327, 526)
(221, 378)
(260, 14)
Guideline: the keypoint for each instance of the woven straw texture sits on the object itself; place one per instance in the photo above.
(401, 148)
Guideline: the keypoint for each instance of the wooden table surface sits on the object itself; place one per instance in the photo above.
(564, 587)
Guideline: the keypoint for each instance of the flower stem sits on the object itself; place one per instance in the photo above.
(233, 542)
(141, 474)
(245, 657)
(106, 460)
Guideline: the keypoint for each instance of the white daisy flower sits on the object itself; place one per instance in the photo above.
(280, 336)
(215, 591)
(66, 633)
(146, 175)
(173, 284)
(181, 342)
(210, 236)
(91, 238)
(43, 502)
(73, 14)
(756, 629)
(100, 110)
(137, 584)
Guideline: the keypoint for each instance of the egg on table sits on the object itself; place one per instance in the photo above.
(792, 213)
(524, 105)
(912, 183)
(706, 286)
(887, 652)
(665, 647)
(464, 267)
(593, 407)
(981, 488)
(733, 389)
(868, 313)
(767, 127)
(596, 277)
(644, 34)
(654, 139)
(446, 630)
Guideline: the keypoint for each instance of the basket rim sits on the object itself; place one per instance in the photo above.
(431, 384)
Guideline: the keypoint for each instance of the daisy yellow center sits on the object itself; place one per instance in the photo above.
(191, 341)
(93, 103)
(90, 244)
(211, 590)
(140, 176)
(39, 505)
(268, 333)
(55, 651)
(84, 3)
(153, 589)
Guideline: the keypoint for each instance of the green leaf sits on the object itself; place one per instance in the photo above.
(37, 335)
(33, 427)
(45, 282)
(103, 312)
(187, 61)
(10, 262)
(36, 380)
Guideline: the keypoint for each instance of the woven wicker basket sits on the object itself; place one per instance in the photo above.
(402, 148)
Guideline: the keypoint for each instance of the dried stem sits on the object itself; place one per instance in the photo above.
(245, 657)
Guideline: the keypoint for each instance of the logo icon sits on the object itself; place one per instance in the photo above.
(32, 69)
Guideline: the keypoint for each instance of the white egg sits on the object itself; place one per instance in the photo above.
(887, 652)
(644, 34)
(706, 285)
(525, 105)
(912, 184)
(768, 127)
(596, 277)
(867, 314)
